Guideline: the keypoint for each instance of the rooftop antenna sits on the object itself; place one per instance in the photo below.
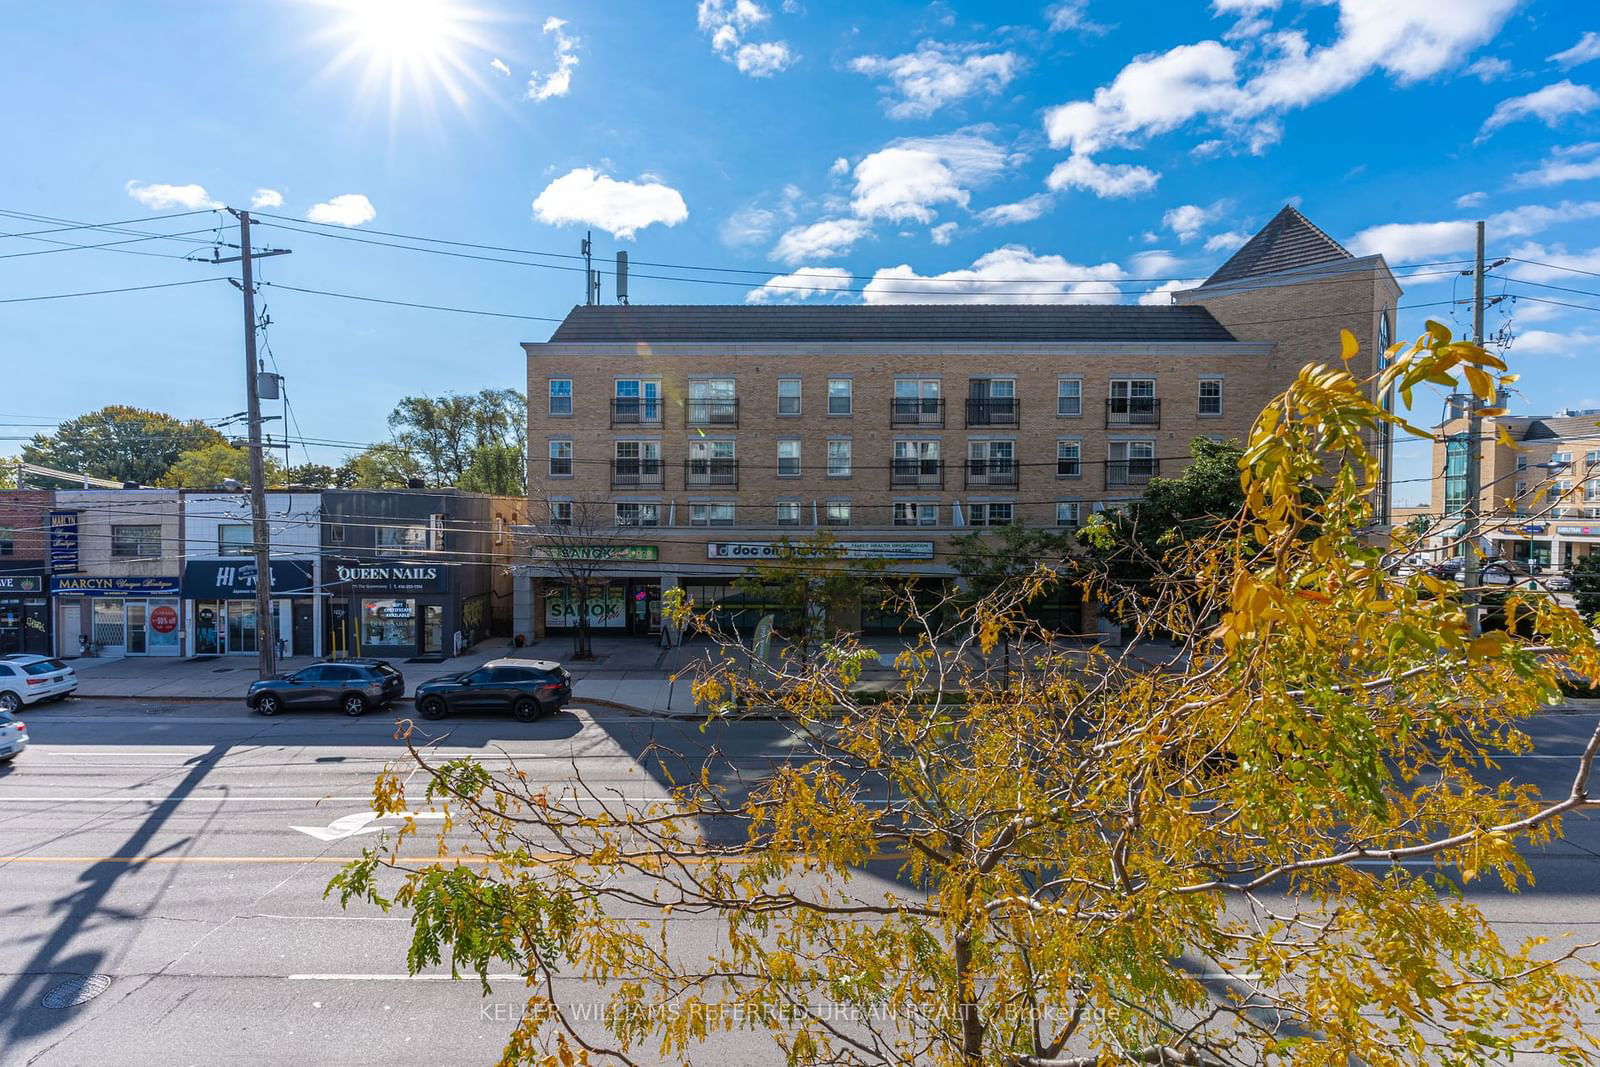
(622, 278)
(586, 247)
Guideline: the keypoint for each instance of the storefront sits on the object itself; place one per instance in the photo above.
(117, 616)
(220, 596)
(623, 597)
(393, 609)
(24, 614)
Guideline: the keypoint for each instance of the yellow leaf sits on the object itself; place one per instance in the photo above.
(1479, 381)
(1503, 436)
(1349, 345)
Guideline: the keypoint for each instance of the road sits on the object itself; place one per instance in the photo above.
(220, 947)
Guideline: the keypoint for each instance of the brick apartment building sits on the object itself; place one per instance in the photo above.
(708, 433)
(1540, 501)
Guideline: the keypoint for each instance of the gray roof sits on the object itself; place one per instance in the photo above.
(1549, 428)
(932, 323)
(1289, 242)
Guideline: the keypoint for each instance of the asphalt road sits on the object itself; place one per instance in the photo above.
(220, 947)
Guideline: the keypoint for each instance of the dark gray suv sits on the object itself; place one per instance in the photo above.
(351, 685)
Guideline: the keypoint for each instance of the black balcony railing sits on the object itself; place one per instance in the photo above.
(917, 471)
(993, 411)
(636, 411)
(1141, 411)
(636, 473)
(981, 472)
(1131, 471)
(710, 473)
(916, 411)
(711, 412)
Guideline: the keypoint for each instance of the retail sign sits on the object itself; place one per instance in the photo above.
(163, 619)
(60, 586)
(605, 607)
(21, 583)
(842, 549)
(603, 552)
(230, 579)
(63, 542)
(1578, 531)
(390, 577)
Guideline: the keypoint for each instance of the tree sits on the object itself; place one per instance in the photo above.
(1585, 575)
(213, 464)
(123, 443)
(576, 540)
(498, 469)
(445, 433)
(810, 583)
(314, 475)
(991, 561)
(381, 466)
(8, 472)
(1418, 526)
(1214, 863)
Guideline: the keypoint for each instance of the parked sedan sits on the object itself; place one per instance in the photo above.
(29, 679)
(13, 737)
(351, 685)
(528, 688)
(1558, 583)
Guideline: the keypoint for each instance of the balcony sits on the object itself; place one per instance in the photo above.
(917, 411)
(636, 411)
(1141, 411)
(1123, 472)
(991, 472)
(702, 412)
(710, 473)
(993, 411)
(916, 472)
(636, 474)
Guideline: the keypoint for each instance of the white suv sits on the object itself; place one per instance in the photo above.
(27, 679)
(13, 737)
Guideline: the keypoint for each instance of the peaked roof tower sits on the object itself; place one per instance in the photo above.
(1289, 242)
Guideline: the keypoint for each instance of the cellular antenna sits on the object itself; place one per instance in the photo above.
(586, 248)
(622, 277)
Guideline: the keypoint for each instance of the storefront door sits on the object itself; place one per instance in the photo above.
(136, 628)
(644, 607)
(432, 637)
(109, 631)
(208, 628)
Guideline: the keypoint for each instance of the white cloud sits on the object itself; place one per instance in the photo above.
(1466, 200)
(841, 166)
(1011, 274)
(1551, 343)
(498, 65)
(1243, 7)
(1226, 242)
(1025, 210)
(1551, 264)
(1071, 15)
(621, 208)
(264, 198)
(944, 233)
(728, 23)
(826, 239)
(1162, 294)
(558, 81)
(1155, 263)
(1549, 105)
(1488, 69)
(910, 176)
(1105, 180)
(1587, 48)
(346, 209)
(1403, 241)
(160, 197)
(801, 285)
(1187, 220)
(1566, 164)
(938, 74)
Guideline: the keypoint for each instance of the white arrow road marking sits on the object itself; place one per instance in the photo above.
(362, 822)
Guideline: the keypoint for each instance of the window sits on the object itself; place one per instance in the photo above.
(383, 622)
(8, 540)
(1591, 490)
(135, 542)
(1069, 396)
(560, 459)
(638, 400)
(788, 513)
(1455, 474)
(712, 463)
(713, 402)
(840, 396)
(400, 540)
(1211, 396)
(561, 396)
(916, 463)
(991, 402)
(789, 458)
(989, 514)
(630, 513)
(711, 514)
(915, 513)
(1561, 458)
(1066, 513)
(788, 396)
(1522, 463)
(1133, 403)
(636, 463)
(1591, 457)
(336, 533)
(991, 463)
(1517, 501)
(560, 513)
(917, 402)
(1131, 462)
(235, 539)
(838, 459)
(1069, 459)
(837, 513)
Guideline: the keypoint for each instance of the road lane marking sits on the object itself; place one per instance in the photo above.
(364, 822)
(401, 978)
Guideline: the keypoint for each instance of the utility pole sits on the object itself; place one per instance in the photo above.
(266, 638)
(587, 247)
(1469, 564)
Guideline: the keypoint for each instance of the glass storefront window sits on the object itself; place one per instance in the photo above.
(389, 622)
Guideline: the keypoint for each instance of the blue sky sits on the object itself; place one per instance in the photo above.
(1079, 150)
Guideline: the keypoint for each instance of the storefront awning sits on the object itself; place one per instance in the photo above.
(218, 579)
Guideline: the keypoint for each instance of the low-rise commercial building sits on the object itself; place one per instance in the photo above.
(116, 562)
(25, 624)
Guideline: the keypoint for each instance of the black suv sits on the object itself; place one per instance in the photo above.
(528, 688)
(351, 685)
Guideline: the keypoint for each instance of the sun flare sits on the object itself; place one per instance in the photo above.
(410, 51)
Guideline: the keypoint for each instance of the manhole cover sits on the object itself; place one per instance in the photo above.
(75, 991)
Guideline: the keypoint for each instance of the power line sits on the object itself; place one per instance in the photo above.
(105, 292)
(410, 304)
(108, 246)
(70, 224)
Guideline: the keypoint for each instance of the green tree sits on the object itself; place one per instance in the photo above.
(993, 560)
(381, 466)
(8, 472)
(1585, 575)
(500, 469)
(211, 465)
(119, 442)
(315, 475)
(811, 584)
(444, 433)
(1418, 526)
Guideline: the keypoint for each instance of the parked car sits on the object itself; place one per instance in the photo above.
(351, 685)
(13, 737)
(528, 688)
(1445, 568)
(30, 679)
(1558, 583)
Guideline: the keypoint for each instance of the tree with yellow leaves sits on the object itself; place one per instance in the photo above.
(1247, 854)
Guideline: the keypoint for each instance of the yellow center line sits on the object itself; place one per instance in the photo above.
(542, 857)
